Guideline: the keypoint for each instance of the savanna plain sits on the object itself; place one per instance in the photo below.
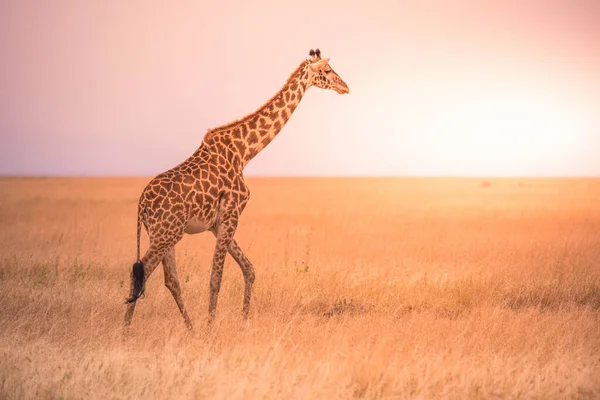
(366, 288)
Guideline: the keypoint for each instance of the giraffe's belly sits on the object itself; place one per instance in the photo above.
(195, 225)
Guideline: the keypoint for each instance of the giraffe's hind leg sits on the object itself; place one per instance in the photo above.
(172, 283)
(155, 254)
(130, 309)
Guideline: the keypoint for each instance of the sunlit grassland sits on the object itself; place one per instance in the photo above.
(366, 288)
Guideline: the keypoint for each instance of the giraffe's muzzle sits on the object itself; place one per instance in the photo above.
(342, 88)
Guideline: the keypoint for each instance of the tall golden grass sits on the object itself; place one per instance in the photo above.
(366, 288)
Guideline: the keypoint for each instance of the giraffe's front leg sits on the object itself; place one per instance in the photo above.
(224, 235)
(247, 271)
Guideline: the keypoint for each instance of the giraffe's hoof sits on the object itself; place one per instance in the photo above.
(210, 320)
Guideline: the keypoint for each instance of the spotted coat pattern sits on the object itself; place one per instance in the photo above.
(207, 191)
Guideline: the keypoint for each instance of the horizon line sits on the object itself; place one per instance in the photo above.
(405, 176)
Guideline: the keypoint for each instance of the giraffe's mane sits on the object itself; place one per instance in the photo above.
(249, 116)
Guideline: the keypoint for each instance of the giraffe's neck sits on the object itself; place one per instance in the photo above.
(254, 132)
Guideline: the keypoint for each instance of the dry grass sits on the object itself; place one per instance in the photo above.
(366, 288)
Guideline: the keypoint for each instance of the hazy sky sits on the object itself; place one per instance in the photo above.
(437, 87)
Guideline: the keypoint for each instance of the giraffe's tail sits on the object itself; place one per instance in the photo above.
(141, 210)
(137, 277)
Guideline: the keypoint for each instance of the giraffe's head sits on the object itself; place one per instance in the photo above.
(321, 75)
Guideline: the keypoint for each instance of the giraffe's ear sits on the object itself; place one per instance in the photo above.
(317, 65)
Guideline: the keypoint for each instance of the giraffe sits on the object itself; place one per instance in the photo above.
(207, 192)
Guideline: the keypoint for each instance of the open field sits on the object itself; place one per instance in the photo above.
(366, 288)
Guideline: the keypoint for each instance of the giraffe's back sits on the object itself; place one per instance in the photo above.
(182, 199)
(186, 198)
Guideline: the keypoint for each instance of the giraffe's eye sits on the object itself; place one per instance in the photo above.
(328, 71)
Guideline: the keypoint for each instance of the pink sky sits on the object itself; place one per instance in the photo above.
(437, 87)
